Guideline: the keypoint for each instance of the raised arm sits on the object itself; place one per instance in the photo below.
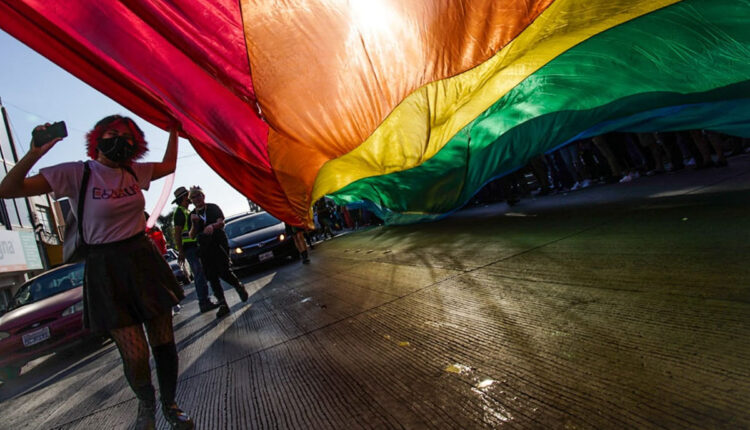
(16, 184)
(169, 162)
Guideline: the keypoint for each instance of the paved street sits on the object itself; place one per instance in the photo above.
(619, 306)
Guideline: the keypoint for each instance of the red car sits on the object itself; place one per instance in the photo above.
(45, 315)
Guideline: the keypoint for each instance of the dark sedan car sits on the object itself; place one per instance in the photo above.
(45, 315)
(258, 238)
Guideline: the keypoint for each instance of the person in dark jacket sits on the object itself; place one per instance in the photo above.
(213, 247)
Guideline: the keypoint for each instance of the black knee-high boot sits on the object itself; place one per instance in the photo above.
(146, 419)
(167, 366)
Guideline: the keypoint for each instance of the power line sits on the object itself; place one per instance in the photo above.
(42, 117)
(46, 119)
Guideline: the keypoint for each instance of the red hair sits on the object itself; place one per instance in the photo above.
(92, 137)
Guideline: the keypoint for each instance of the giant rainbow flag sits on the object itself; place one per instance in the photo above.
(408, 105)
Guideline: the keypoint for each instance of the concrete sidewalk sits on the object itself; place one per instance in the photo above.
(620, 306)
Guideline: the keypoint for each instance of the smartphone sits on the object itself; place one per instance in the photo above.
(54, 131)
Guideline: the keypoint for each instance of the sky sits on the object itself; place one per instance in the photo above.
(33, 91)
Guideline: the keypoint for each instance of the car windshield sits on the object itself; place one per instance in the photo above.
(49, 284)
(246, 225)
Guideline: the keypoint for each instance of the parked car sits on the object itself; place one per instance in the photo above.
(181, 271)
(44, 316)
(171, 254)
(258, 238)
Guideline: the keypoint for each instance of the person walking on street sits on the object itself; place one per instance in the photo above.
(298, 235)
(324, 217)
(187, 248)
(207, 227)
(127, 283)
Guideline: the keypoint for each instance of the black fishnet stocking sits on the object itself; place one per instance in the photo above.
(160, 330)
(131, 342)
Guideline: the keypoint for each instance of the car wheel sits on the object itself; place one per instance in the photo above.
(9, 373)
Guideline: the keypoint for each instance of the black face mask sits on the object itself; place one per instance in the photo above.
(117, 149)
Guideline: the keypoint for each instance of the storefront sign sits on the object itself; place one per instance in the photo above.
(18, 251)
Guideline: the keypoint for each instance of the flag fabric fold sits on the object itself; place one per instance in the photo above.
(410, 107)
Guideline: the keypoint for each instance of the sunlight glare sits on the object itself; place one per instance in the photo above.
(372, 16)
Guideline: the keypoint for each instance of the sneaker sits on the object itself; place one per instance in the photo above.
(146, 415)
(626, 178)
(305, 261)
(176, 418)
(223, 311)
(586, 183)
(208, 307)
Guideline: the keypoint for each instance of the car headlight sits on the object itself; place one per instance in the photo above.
(4, 334)
(282, 237)
(238, 250)
(78, 307)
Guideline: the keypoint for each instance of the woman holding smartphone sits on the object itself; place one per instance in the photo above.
(127, 283)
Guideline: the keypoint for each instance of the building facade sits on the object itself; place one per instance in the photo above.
(30, 228)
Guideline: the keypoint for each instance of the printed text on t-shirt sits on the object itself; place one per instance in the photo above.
(105, 194)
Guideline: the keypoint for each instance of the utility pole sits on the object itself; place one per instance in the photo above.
(4, 218)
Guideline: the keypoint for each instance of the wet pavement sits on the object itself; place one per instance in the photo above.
(619, 306)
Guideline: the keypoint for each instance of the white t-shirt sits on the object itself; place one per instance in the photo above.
(114, 204)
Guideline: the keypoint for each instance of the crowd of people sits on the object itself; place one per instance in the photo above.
(612, 158)
(329, 218)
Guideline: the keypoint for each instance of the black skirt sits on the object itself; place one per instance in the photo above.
(127, 283)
